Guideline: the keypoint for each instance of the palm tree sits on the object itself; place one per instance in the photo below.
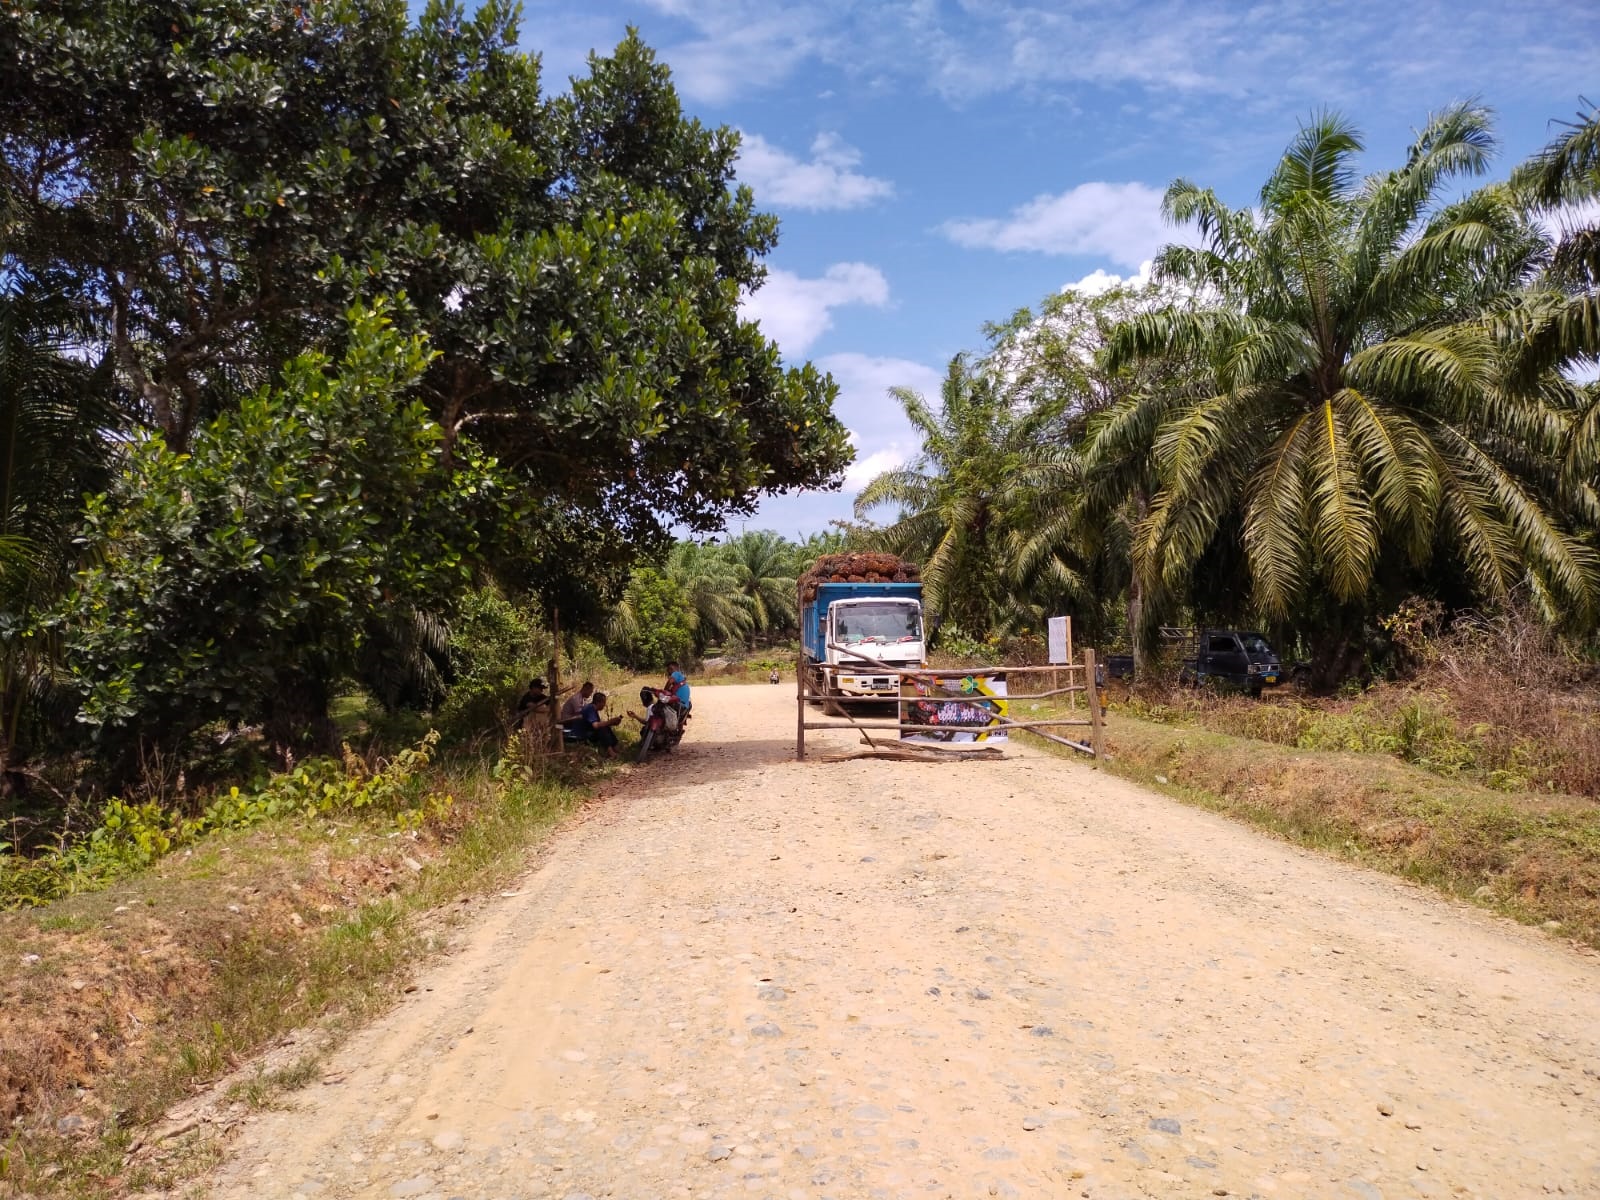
(56, 418)
(982, 457)
(1557, 325)
(1359, 405)
(719, 610)
(1070, 548)
(764, 564)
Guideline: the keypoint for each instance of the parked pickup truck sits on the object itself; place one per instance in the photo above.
(1223, 657)
(1231, 658)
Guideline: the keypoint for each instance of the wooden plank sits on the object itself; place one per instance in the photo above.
(888, 726)
(901, 752)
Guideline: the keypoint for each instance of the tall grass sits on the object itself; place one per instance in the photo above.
(1498, 700)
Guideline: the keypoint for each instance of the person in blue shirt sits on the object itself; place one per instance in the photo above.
(593, 726)
(678, 685)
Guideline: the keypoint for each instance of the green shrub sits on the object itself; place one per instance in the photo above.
(659, 621)
(959, 646)
(239, 580)
(495, 648)
(129, 837)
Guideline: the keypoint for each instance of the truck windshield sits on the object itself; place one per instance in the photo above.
(877, 623)
(1254, 643)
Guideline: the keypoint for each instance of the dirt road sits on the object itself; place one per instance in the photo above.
(740, 976)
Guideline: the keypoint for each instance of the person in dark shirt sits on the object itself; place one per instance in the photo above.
(535, 703)
(596, 727)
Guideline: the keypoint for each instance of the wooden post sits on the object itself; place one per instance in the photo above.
(800, 708)
(1072, 698)
(1096, 721)
(553, 740)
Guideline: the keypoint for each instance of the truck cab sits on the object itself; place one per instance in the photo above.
(850, 627)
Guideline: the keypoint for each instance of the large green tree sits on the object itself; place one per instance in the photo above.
(1556, 325)
(1360, 412)
(221, 178)
(1069, 547)
(240, 581)
(719, 610)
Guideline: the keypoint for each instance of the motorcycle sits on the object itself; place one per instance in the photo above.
(664, 720)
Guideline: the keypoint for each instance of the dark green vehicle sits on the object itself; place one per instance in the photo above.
(1232, 658)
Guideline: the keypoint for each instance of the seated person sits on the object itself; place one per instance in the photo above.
(595, 727)
(572, 706)
(678, 685)
(535, 702)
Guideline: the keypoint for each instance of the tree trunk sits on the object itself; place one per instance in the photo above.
(1143, 661)
(1340, 653)
(297, 722)
(1141, 650)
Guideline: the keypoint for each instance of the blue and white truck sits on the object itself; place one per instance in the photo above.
(848, 628)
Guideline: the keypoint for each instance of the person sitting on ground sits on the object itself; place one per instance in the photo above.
(535, 702)
(572, 706)
(598, 728)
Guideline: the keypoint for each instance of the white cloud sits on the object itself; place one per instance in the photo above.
(868, 467)
(882, 436)
(878, 427)
(1268, 58)
(1118, 221)
(827, 181)
(795, 312)
(743, 45)
(1100, 281)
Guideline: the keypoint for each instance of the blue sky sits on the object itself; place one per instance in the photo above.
(939, 163)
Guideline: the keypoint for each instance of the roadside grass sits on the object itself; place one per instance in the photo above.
(1521, 741)
(116, 1004)
(1534, 857)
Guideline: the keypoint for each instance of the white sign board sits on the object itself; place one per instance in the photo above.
(1060, 641)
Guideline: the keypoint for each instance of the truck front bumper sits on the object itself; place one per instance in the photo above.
(868, 685)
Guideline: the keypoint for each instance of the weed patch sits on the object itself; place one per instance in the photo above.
(123, 997)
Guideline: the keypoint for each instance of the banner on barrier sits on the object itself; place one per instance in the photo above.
(954, 708)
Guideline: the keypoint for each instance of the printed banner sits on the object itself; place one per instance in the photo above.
(954, 708)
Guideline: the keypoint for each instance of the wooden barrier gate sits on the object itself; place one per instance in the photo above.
(1080, 678)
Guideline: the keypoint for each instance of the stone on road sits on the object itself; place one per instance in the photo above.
(736, 975)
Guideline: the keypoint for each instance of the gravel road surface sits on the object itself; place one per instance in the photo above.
(738, 976)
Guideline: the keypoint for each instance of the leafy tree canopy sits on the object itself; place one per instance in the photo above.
(241, 580)
(220, 180)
